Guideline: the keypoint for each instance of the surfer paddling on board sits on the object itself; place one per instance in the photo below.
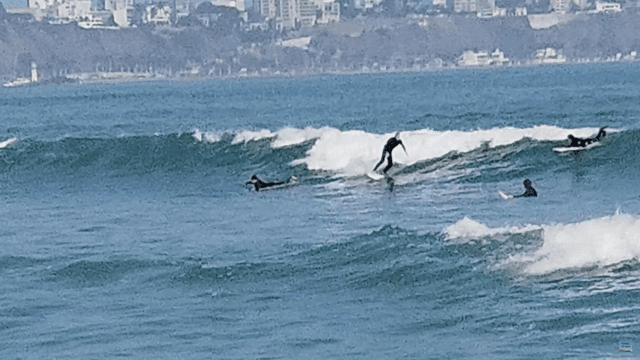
(529, 191)
(578, 142)
(386, 152)
(259, 183)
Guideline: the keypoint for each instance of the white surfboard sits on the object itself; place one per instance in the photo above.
(8, 144)
(577, 148)
(505, 196)
(375, 176)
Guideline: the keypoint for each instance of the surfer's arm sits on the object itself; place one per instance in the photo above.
(403, 148)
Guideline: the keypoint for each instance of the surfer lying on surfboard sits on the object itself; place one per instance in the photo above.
(259, 183)
(386, 152)
(579, 142)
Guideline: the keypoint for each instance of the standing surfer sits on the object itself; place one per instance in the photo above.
(386, 152)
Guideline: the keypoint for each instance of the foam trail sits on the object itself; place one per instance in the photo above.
(600, 242)
(10, 143)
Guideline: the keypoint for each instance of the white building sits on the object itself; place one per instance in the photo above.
(521, 11)
(482, 58)
(366, 4)
(465, 6)
(607, 7)
(74, 10)
(121, 10)
(236, 4)
(157, 15)
(291, 14)
(560, 6)
(549, 56)
(485, 8)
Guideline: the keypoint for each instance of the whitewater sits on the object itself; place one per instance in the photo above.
(129, 231)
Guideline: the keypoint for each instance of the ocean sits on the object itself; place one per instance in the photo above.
(128, 229)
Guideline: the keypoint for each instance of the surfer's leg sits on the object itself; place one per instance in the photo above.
(384, 153)
(389, 164)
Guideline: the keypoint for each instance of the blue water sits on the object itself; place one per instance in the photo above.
(128, 230)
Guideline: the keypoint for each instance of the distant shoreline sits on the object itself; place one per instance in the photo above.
(236, 77)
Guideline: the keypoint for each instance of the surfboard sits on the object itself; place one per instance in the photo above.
(8, 144)
(375, 176)
(505, 196)
(577, 148)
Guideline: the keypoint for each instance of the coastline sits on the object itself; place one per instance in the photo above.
(93, 80)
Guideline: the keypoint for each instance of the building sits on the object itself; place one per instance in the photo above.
(464, 6)
(236, 4)
(607, 7)
(122, 11)
(292, 14)
(74, 10)
(549, 56)
(486, 8)
(482, 58)
(157, 15)
(560, 6)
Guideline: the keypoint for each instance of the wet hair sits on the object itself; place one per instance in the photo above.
(527, 182)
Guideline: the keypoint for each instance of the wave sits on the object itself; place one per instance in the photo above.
(481, 155)
(599, 243)
(352, 152)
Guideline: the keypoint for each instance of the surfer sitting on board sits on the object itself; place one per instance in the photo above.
(578, 142)
(259, 183)
(386, 152)
(529, 191)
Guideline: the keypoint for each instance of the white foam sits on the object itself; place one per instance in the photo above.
(206, 137)
(467, 229)
(10, 143)
(285, 137)
(598, 242)
(247, 136)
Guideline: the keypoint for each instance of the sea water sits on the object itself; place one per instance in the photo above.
(128, 230)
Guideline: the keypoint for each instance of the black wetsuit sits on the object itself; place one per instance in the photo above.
(388, 148)
(528, 192)
(579, 142)
(259, 184)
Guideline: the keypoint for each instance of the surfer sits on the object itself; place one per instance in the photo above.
(579, 142)
(529, 191)
(386, 152)
(259, 183)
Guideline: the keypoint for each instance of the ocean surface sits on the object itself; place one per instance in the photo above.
(128, 230)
